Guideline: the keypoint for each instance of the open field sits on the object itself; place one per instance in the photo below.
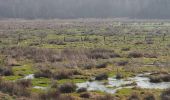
(53, 59)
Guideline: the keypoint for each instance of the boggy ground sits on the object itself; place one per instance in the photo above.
(58, 54)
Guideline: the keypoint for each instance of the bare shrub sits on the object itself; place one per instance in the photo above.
(24, 83)
(14, 89)
(87, 65)
(63, 74)
(102, 54)
(125, 49)
(134, 96)
(11, 62)
(80, 90)
(37, 54)
(67, 88)
(149, 96)
(119, 76)
(103, 65)
(165, 95)
(106, 97)
(72, 39)
(85, 95)
(160, 78)
(102, 76)
(135, 54)
(50, 95)
(56, 42)
(149, 55)
(43, 73)
(122, 63)
(6, 71)
(138, 43)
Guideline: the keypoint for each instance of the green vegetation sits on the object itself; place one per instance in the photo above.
(65, 54)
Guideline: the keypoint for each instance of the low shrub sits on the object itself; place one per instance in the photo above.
(125, 49)
(122, 63)
(13, 88)
(49, 95)
(85, 95)
(24, 83)
(67, 88)
(134, 96)
(135, 54)
(56, 42)
(63, 74)
(114, 55)
(147, 55)
(43, 73)
(104, 65)
(138, 43)
(54, 85)
(165, 95)
(102, 76)
(101, 54)
(119, 76)
(149, 96)
(11, 62)
(88, 65)
(72, 40)
(82, 90)
(160, 78)
(6, 71)
(106, 97)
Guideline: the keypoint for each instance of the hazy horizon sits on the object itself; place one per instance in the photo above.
(66, 9)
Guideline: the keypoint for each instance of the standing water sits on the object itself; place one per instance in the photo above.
(114, 84)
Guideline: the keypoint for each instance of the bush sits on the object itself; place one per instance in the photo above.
(37, 54)
(88, 66)
(114, 55)
(160, 78)
(102, 76)
(134, 96)
(11, 62)
(138, 43)
(24, 83)
(106, 97)
(165, 95)
(125, 49)
(147, 55)
(43, 73)
(135, 55)
(119, 76)
(149, 96)
(49, 95)
(155, 79)
(68, 88)
(104, 65)
(102, 54)
(54, 84)
(85, 95)
(56, 42)
(14, 88)
(6, 71)
(63, 74)
(82, 90)
(122, 63)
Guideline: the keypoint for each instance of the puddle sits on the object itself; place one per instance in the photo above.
(30, 76)
(40, 87)
(115, 84)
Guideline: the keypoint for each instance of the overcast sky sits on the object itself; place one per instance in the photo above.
(145, 9)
